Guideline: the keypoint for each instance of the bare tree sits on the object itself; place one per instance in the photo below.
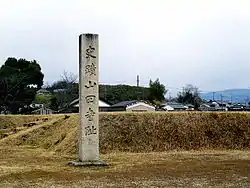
(190, 95)
(66, 89)
(69, 77)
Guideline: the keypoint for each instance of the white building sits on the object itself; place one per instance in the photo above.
(43, 111)
(133, 106)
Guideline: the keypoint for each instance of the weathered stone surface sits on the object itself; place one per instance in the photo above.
(88, 102)
(89, 98)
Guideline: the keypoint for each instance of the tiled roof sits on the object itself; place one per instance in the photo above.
(175, 105)
(125, 103)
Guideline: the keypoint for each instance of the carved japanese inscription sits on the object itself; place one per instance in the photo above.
(89, 97)
(90, 114)
(90, 69)
(90, 84)
(90, 129)
(89, 52)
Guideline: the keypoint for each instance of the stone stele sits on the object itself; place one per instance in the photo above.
(88, 153)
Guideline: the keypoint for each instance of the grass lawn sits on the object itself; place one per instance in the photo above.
(34, 167)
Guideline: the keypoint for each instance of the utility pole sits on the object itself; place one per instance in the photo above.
(138, 81)
(247, 99)
(221, 98)
(182, 95)
(138, 84)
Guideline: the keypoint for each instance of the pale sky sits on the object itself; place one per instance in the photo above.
(201, 42)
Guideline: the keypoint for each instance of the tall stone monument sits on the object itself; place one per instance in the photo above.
(88, 153)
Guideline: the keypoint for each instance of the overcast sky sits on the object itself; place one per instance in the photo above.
(201, 42)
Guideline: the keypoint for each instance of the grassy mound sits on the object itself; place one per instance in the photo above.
(140, 132)
(11, 124)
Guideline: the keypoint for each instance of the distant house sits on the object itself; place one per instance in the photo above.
(173, 106)
(204, 107)
(132, 106)
(42, 91)
(75, 103)
(36, 105)
(59, 90)
(214, 106)
(73, 107)
(238, 107)
(190, 107)
(42, 111)
(167, 108)
(247, 108)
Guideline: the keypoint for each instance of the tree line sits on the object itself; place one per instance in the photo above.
(21, 79)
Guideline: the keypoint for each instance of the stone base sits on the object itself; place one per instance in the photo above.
(87, 163)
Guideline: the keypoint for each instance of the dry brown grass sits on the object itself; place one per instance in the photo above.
(36, 167)
(11, 124)
(137, 132)
(175, 131)
(143, 149)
